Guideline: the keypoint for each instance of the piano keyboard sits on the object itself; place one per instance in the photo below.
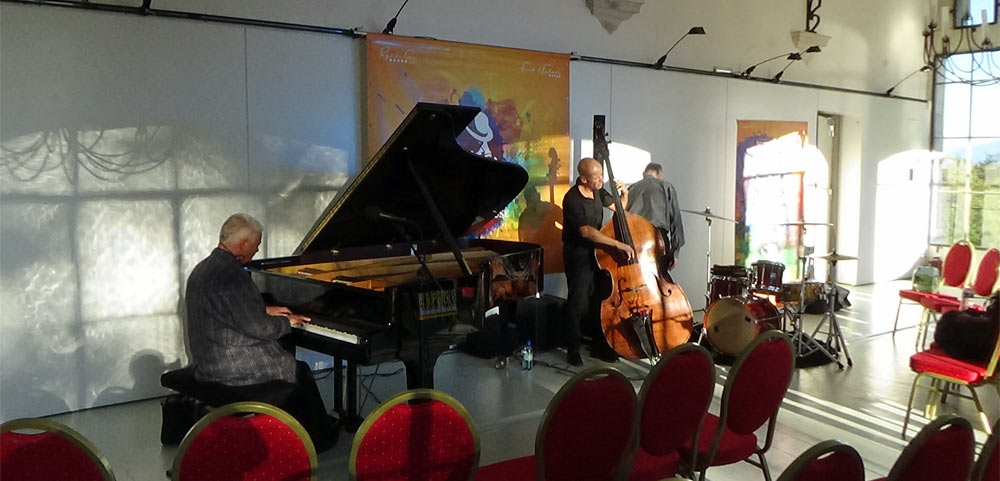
(330, 332)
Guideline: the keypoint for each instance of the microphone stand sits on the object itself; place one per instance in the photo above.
(427, 276)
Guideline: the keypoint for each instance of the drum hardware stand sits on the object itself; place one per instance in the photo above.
(708, 215)
(835, 335)
(802, 343)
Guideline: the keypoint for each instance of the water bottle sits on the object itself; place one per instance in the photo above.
(966, 295)
(527, 357)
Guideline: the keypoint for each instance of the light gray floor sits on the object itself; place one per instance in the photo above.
(862, 405)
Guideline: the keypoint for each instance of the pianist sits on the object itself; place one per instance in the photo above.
(233, 336)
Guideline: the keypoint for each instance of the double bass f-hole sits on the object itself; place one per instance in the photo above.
(645, 314)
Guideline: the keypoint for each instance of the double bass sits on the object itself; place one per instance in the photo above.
(643, 313)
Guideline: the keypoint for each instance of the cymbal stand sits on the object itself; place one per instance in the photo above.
(834, 335)
(708, 263)
(803, 343)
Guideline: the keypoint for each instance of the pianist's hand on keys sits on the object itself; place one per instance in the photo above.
(293, 319)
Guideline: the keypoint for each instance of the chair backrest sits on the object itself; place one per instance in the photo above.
(987, 273)
(987, 468)
(956, 264)
(245, 440)
(674, 398)
(827, 460)
(588, 431)
(941, 451)
(757, 382)
(44, 449)
(417, 434)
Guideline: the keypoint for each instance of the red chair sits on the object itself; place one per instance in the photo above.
(942, 451)
(956, 269)
(673, 401)
(828, 460)
(245, 440)
(944, 370)
(987, 468)
(43, 449)
(420, 434)
(588, 433)
(983, 286)
(754, 389)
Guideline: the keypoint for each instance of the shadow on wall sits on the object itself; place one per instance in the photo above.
(902, 203)
(100, 229)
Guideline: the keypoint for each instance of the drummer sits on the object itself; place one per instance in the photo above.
(656, 200)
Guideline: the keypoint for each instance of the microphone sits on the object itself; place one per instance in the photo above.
(373, 213)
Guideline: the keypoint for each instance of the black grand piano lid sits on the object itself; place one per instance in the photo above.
(468, 190)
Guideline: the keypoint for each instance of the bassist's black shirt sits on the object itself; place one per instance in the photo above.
(579, 211)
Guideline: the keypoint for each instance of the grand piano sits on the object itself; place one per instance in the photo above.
(391, 271)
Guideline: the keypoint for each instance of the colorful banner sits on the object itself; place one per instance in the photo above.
(524, 98)
(769, 192)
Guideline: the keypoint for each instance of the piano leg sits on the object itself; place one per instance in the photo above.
(338, 386)
(352, 421)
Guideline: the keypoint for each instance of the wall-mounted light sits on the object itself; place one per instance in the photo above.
(692, 31)
(792, 56)
(813, 49)
(921, 69)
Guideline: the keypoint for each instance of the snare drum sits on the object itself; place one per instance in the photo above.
(731, 324)
(767, 277)
(727, 281)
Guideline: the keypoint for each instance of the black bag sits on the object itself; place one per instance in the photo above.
(180, 413)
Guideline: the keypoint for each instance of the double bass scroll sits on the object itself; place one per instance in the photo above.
(643, 313)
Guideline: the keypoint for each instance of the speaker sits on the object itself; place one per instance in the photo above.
(538, 319)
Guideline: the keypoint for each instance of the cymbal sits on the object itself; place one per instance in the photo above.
(708, 213)
(807, 223)
(834, 257)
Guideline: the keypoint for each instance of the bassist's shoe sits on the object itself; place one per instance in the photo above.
(604, 353)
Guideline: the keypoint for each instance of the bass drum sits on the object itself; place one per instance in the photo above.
(732, 324)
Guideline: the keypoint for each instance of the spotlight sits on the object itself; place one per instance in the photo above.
(692, 31)
(921, 69)
(793, 56)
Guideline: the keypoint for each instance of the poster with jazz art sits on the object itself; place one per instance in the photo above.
(523, 97)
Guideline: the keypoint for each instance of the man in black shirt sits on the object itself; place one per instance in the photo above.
(582, 218)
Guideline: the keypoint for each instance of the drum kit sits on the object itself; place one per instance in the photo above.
(744, 302)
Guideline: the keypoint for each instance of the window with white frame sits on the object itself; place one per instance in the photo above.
(965, 190)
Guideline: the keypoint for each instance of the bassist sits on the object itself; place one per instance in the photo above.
(582, 219)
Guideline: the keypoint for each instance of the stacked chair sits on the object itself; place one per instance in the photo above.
(245, 440)
(982, 286)
(943, 371)
(588, 433)
(826, 461)
(40, 449)
(420, 434)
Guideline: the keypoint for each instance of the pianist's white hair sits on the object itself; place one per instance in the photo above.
(238, 227)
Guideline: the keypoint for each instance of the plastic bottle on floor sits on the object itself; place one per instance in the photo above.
(527, 357)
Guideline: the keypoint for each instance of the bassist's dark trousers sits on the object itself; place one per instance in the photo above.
(583, 305)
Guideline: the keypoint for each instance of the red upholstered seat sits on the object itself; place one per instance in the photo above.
(418, 434)
(752, 396)
(673, 402)
(733, 447)
(912, 295)
(584, 434)
(245, 440)
(955, 269)
(828, 460)
(935, 360)
(942, 451)
(648, 467)
(50, 452)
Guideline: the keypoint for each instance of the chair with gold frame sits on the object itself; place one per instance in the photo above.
(32, 448)
(829, 459)
(954, 272)
(416, 434)
(245, 440)
(589, 431)
(945, 371)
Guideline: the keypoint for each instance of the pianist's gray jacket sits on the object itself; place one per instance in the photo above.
(232, 338)
(656, 200)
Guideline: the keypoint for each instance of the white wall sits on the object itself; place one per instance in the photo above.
(267, 121)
